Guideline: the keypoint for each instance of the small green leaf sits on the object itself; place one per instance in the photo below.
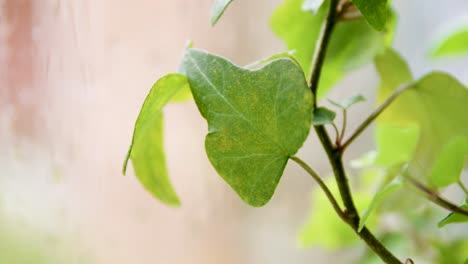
(348, 102)
(453, 45)
(219, 6)
(454, 218)
(323, 116)
(381, 194)
(259, 64)
(435, 106)
(147, 148)
(256, 119)
(312, 5)
(375, 11)
(352, 44)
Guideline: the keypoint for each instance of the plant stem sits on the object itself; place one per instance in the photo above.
(322, 185)
(335, 154)
(462, 186)
(321, 47)
(434, 197)
(344, 124)
(374, 115)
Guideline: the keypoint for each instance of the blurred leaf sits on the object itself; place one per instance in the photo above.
(452, 45)
(436, 105)
(449, 165)
(454, 218)
(375, 12)
(381, 194)
(219, 6)
(147, 148)
(312, 5)
(324, 227)
(353, 43)
(451, 252)
(396, 144)
(348, 102)
(256, 119)
(323, 116)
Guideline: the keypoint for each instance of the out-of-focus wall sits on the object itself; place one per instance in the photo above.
(73, 75)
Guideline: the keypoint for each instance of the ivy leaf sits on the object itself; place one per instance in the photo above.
(452, 45)
(348, 102)
(352, 44)
(454, 218)
(219, 6)
(323, 116)
(375, 12)
(436, 106)
(312, 5)
(147, 148)
(256, 119)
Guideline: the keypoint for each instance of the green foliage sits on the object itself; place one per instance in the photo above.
(257, 119)
(147, 148)
(375, 11)
(219, 6)
(291, 24)
(323, 116)
(260, 115)
(436, 106)
(454, 218)
(452, 45)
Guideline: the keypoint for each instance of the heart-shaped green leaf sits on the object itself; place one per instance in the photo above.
(147, 148)
(323, 116)
(257, 119)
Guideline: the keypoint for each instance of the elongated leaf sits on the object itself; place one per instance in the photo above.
(147, 148)
(452, 45)
(454, 218)
(436, 106)
(352, 45)
(219, 6)
(256, 119)
(323, 116)
(375, 12)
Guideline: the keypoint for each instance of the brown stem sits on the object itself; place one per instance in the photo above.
(334, 154)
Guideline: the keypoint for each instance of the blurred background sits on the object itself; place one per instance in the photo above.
(73, 76)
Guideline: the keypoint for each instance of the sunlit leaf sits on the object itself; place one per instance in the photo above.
(352, 45)
(452, 45)
(375, 12)
(219, 6)
(323, 116)
(256, 119)
(147, 148)
(454, 218)
(348, 102)
(436, 106)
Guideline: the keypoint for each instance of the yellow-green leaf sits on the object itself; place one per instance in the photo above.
(147, 148)
(219, 6)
